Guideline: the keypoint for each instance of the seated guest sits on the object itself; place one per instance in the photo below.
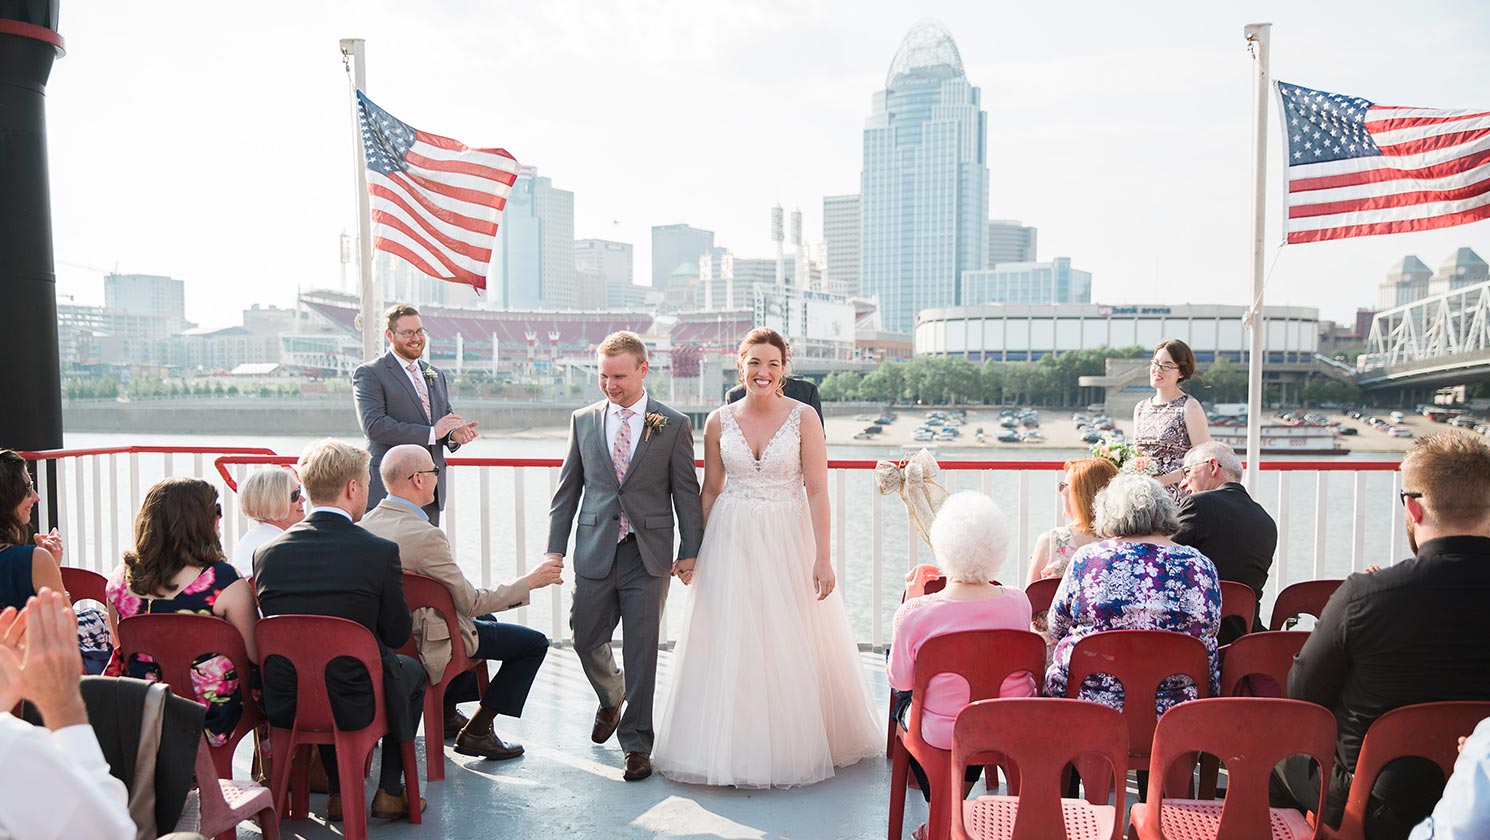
(969, 538)
(1078, 488)
(271, 498)
(326, 565)
(408, 473)
(1221, 521)
(1414, 632)
(177, 566)
(1464, 811)
(54, 781)
(26, 565)
(1135, 579)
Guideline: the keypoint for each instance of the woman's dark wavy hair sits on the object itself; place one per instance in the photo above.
(176, 528)
(15, 486)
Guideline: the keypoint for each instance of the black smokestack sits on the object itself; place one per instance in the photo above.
(32, 381)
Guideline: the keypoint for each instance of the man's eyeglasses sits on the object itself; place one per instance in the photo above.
(411, 333)
(295, 495)
(1163, 366)
(430, 471)
(1188, 468)
(1404, 495)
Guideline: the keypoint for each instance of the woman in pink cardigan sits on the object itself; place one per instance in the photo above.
(970, 539)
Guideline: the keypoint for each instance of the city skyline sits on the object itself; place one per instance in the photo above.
(1122, 135)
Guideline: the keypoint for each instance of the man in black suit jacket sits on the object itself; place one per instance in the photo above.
(1221, 521)
(801, 390)
(326, 565)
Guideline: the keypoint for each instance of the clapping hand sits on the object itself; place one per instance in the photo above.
(447, 425)
(465, 434)
(52, 542)
(12, 631)
(52, 662)
(823, 579)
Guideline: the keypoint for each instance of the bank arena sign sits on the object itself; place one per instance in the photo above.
(1109, 311)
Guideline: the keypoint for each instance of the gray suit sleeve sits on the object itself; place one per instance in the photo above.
(686, 502)
(372, 411)
(566, 497)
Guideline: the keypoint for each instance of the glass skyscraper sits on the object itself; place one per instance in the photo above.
(924, 183)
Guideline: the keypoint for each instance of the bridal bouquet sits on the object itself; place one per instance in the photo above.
(1126, 457)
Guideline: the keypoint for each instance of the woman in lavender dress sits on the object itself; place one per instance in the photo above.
(1167, 424)
(1137, 579)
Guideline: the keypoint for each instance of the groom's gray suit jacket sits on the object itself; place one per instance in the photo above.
(661, 481)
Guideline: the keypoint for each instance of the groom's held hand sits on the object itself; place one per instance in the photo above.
(684, 569)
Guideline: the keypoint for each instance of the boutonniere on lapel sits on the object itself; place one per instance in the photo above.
(655, 422)
(429, 372)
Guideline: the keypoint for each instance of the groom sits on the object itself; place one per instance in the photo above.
(630, 465)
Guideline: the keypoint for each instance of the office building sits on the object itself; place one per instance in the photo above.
(1406, 282)
(675, 245)
(536, 252)
(841, 234)
(612, 266)
(1028, 282)
(1464, 268)
(1010, 242)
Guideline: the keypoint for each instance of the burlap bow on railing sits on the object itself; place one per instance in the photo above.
(912, 479)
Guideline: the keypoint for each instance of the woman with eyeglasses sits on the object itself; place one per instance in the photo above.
(271, 498)
(177, 566)
(1078, 488)
(1168, 424)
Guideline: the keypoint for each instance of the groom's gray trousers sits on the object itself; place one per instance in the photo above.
(634, 598)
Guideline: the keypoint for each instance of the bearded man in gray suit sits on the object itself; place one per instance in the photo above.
(630, 467)
(403, 400)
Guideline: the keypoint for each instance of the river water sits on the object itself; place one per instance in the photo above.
(498, 530)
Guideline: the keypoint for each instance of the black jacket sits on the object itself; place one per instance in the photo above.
(1234, 531)
(327, 565)
(798, 389)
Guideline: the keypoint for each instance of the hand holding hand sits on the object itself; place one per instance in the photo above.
(447, 424)
(52, 542)
(823, 579)
(684, 569)
(548, 573)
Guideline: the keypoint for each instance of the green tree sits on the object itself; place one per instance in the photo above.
(840, 386)
(1223, 381)
(885, 383)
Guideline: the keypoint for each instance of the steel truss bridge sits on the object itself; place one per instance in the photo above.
(1436, 341)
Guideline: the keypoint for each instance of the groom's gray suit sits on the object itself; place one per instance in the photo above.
(625, 582)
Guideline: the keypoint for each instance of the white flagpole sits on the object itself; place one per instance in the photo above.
(1258, 35)
(352, 49)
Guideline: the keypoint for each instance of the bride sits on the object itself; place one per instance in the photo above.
(767, 689)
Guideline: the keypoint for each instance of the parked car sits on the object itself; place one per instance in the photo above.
(1399, 431)
(1463, 422)
(1398, 417)
(946, 435)
(1008, 422)
(1091, 437)
(1008, 437)
(1343, 429)
(922, 435)
(1033, 436)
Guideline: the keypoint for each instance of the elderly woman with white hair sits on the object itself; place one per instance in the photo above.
(1134, 579)
(970, 539)
(271, 498)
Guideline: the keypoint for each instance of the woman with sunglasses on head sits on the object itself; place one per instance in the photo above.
(271, 498)
(1167, 424)
(1078, 489)
(177, 566)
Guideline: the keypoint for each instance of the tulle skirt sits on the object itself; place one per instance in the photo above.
(768, 689)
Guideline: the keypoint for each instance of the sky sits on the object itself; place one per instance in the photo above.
(213, 142)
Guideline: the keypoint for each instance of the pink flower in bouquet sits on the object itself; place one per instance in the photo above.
(1142, 464)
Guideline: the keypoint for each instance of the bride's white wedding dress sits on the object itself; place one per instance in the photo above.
(768, 689)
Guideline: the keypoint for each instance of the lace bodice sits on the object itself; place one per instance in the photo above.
(776, 478)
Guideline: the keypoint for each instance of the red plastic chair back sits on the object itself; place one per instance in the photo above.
(1140, 660)
(1269, 654)
(1238, 599)
(1041, 593)
(1424, 730)
(1040, 735)
(424, 591)
(935, 584)
(984, 658)
(174, 641)
(83, 585)
(1303, 598)
(226, 803)
(1250, 735)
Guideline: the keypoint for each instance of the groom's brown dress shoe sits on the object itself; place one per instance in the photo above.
(638, 766)
(606, 721)
(486, 746)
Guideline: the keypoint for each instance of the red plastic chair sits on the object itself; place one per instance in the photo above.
(1266, 654)
(1038, 736)
(310, 643)
(1238, 599)
(424, 591)
(1424, 730)
(1250, 735)
(1140, 660)
(225, 802)
(984, 658)
(935, 584)
(174, 641)
(1041, 593)
(1303, 598)
(83, 585)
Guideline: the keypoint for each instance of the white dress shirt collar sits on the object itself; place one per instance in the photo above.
(332, 509)
(633, 408)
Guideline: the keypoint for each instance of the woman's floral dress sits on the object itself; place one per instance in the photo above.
(213, 679)
(1120, 585)
(1163, 436)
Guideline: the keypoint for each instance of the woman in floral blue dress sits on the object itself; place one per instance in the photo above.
(1136, 579)
(177, 566)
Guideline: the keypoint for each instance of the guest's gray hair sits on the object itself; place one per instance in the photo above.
(1133, 506)
(265, 494)
(1224, 456)
(970, 537)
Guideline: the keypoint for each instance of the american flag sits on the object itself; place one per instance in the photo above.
(435, 201)
(1356, 168)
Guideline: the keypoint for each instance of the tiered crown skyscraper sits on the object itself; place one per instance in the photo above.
(924, 182)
